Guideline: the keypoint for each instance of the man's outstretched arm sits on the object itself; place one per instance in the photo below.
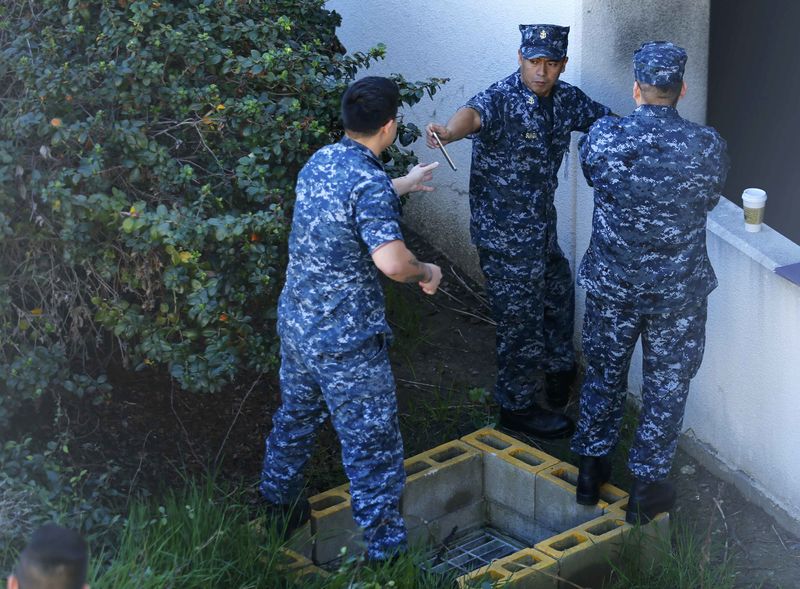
(465, 122)
(395, 260)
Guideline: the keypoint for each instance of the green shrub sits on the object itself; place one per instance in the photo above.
(38, 484)
(148, 152)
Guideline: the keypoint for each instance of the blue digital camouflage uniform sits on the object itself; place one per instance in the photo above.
(516, 155)
(646, 271)
(334, 338)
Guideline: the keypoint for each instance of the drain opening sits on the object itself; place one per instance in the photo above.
(472, 551)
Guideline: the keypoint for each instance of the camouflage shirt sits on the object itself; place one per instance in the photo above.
(655, 177)
(346, 208)
(515, 159)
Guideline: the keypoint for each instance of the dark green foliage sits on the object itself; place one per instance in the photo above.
(148, 152)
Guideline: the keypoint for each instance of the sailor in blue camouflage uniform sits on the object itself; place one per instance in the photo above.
(647, 274)
(520, 129)
(332, 324)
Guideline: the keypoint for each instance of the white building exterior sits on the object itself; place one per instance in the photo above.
(743, 412)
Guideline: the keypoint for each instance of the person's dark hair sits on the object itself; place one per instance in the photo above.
(668, 94)
(368, 104)
(55, 558)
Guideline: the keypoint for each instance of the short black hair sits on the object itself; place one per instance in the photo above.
(55, 558)
(662, 94)
(369, 103)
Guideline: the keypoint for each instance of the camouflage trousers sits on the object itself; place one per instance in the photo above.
(357, 389)
(532, 301)
(672, 347)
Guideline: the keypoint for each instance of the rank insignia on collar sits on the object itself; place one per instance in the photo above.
(531, 100)
(542, 34)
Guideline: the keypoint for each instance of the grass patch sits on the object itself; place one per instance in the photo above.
(683, 561)
(201, 536)
(443, 415)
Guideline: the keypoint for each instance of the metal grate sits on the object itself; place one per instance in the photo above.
(472, 551)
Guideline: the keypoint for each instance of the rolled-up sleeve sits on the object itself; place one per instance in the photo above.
(377, 213)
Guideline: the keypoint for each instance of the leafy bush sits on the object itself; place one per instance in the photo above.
(148, 152)
(38, 484)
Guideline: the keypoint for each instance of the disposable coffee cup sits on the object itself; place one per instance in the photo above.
(753, 200)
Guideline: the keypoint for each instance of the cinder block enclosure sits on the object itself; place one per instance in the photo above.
(488, 482)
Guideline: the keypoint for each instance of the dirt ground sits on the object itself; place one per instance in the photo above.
(443, 359)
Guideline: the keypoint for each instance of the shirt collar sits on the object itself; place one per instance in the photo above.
(656, 110)
(528, 93)
(353, 144)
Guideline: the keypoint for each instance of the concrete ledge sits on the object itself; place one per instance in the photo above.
(767, 247)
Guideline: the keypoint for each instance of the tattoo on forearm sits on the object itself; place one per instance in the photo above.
(424, 274)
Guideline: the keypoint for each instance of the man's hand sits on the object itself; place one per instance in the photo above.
(420, 174)
(441, 131)
(414, 180)
(464, 122)
(396, 262)
(432, 284)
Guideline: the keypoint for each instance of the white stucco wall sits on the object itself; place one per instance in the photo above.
(744, 404)
(472, 42)
(742, 412)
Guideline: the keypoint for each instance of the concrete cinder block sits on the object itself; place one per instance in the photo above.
(453, 524)
(483, 577)
(607, 535)
(302, 541)
(648, 543)
(490, 440)
(555, 499)
(509, 469)
(612, 496)
(530, 569)
(289, 560)
(523, 527)
(588, 553)
(298, 565)
(333, 527)
(573, 552)
(658, 528)
(526, 569)
(441, 481)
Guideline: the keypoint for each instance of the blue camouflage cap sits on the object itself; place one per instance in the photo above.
(659, 63)
(543, 41)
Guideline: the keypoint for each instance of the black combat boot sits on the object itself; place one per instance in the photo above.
(558, 386)
(538, 422)
(593, 472)
(647, 500)
(287, 516)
